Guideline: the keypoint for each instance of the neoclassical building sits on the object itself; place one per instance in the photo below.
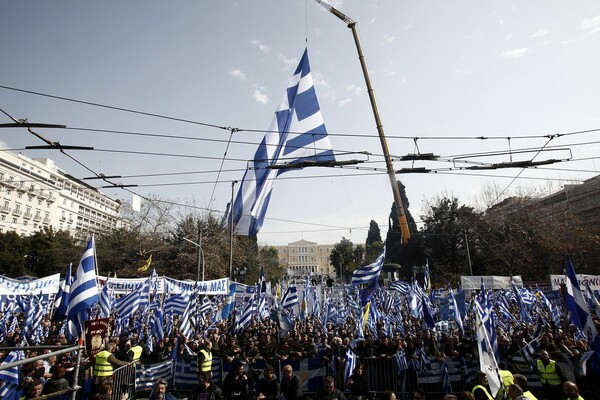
(303, 258)
(35, 193)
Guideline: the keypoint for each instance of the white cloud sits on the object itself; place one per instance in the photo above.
(372, 21)
(288, 63)
(324, 89)
(344, 102)
(354, 89)
(238, 74)
(409, 26)
(540, 33)
(261, 46)
(389, 39)
(516, 53)
(260, 96)
(389, 72)
(590, 26)
(508, 36)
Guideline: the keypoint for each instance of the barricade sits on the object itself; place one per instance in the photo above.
(429, 374)
(123, 381)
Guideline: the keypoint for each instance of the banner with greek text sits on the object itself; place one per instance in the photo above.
(47, 285)
(490, 282)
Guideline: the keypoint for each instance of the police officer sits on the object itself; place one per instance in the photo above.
(551, 376)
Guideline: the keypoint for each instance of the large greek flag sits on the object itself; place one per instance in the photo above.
(84, 292)
(369, 274)
(297, 134)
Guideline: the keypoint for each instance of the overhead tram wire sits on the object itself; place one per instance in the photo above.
(369, 136)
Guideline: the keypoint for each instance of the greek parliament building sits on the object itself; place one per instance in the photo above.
(35, 193)
(303, 258)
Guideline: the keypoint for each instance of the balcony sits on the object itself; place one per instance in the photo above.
(17, 212)
(63, 219)
(5, 209)
(27, 215)
(46, 220)
(37, 217)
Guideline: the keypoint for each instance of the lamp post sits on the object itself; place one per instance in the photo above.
(200, 253)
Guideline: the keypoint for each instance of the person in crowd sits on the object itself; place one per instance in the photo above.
(235, 384)
(105, 392)
(104, 365)
(449, 397)
(136, 351)
(206, 390)
(515, 392)
(329, 391)
(551, 376)
(481, 390)
(389, 395)
(521, 380)
(205, 357)
(34, 389)
(571, 391)
(358, 383)
(268, 387)
(291, 386)
(123, 347)
(159, 391)
(419, 394)
(57, 381)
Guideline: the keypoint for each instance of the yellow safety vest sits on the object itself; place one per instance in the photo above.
(137, 352)
(206, 363)
(548, 373)
(529, 395)
(102, 367)
(489, 396)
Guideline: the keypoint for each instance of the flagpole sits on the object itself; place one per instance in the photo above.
(231, 231)
(388, 161)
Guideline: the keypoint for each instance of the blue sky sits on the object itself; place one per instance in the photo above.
(442, 72)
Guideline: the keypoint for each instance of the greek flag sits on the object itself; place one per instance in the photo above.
(453, 310)
(106, 300)
(84, 292)
(369, 273)
(62, 298)
(290, 298)
(297, 135)
(580, 314)
(350, 364)
(147, 374)
(9, 378)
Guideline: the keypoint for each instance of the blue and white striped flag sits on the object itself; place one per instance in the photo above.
(297, 135)
(147, 374)
(106, 300)
(290, 298)
(453, 310)
(351, 360)
(84, 291)
(580, 314)
(9, 378)
(369, 274)
(61, 304)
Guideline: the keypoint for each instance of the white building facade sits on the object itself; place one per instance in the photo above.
(35, 193)
(303, 258)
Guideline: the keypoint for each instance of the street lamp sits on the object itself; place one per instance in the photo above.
(200, 256)
(239, 272)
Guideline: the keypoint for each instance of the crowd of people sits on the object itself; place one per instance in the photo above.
(262, 340)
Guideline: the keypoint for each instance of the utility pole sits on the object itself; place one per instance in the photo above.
(388, 161)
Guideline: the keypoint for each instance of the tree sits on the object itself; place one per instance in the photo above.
(342, 257)
(373, 245)
(268, 257)
(446, 225)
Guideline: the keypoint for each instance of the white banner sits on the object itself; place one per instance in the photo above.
(47, 285)
(166, 285)
(490, 282)
(217, 286)
(584, 280)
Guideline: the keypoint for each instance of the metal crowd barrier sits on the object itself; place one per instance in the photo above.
(382, 375)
